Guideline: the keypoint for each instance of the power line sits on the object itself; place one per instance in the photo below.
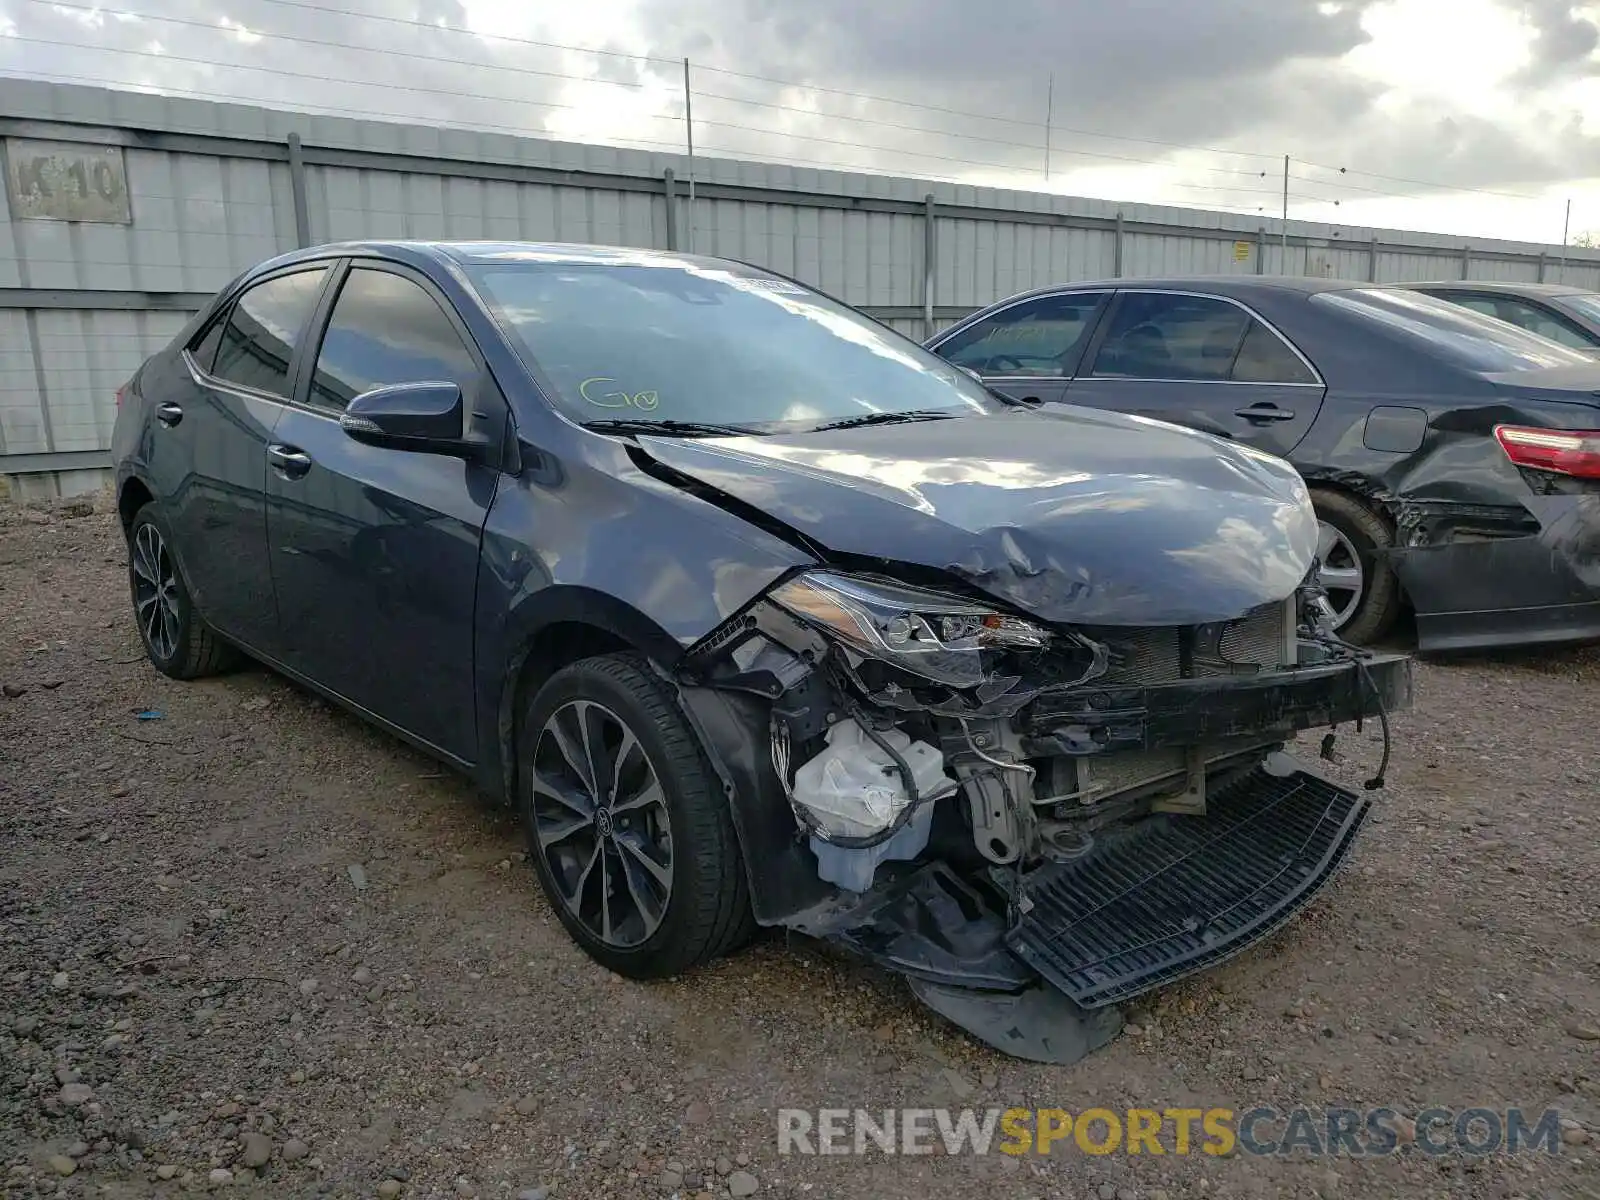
(1448, 187)
(742, 126)
(674, 64)
(1354, 187)
(313, 107)
(414, 89)
(365, 113)
(212, 27)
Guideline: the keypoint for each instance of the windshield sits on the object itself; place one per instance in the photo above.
(641, 337)
(1469, 339)
(1586, 305)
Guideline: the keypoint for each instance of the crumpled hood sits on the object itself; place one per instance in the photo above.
(1073, 515)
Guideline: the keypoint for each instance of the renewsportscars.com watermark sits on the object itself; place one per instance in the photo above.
(1217, 1132)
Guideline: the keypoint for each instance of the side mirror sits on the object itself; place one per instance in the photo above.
(427, 418)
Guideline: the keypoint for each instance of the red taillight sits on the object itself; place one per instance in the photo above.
(1566, 451)
(121, 391)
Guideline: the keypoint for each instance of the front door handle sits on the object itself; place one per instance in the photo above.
(169, 414)
(1264, 412)
(290, 462)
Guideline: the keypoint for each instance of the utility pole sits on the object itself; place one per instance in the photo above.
(688, 130)
(1285, 232)
(1049, 120)
(1566, 228)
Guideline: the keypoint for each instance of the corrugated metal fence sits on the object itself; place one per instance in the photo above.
(125, 212)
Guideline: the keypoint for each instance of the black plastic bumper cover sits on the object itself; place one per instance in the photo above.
(1178, 894)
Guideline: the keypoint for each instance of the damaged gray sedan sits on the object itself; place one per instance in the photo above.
(762, 614)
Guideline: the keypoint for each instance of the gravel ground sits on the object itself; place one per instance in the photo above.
(254, 944)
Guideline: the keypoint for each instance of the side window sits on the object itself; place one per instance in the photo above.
(1545, 324)
(1037, 337)
(264, 328)
(1267, 358)
(1156, 335)
(386, 329)
(204, 351)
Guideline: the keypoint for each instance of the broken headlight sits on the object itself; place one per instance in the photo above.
(939, 637)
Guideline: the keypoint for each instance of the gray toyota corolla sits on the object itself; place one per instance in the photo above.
(761, 614)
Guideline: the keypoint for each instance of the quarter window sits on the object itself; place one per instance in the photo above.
(386, 329)
(205, 350)
(1158, 335)
(263, 330)
(1039, 338)
(1266, 358)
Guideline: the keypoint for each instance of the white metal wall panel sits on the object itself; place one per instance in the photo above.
(348, 203)
(197, 221)
(22, 419)
(910, 326)
(83, 357)
(1399, 267)
(86, 356)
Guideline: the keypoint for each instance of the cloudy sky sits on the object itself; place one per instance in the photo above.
(1475, 117)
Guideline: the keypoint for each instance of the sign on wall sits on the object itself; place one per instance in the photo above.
(67, 181)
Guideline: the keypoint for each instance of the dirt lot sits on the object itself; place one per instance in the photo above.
(254, 931)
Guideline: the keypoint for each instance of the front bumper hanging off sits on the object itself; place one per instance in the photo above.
(1149, 903)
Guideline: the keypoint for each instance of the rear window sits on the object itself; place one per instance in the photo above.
(1466, 338)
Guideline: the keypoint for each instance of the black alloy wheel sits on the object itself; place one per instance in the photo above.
(601, 823)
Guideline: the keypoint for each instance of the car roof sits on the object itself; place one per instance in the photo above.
(484, 252)
(1223, 285)
(1493, 285)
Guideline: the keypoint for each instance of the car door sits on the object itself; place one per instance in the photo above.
(1027, 350)
(375, 550)
(1204, 361)
(207, 451)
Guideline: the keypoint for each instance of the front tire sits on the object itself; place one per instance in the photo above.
(177, 641)
(627, 825)
(1353, 545)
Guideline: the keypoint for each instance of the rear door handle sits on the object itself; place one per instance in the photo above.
(169, 414)
(1264, 412)
(291, 463)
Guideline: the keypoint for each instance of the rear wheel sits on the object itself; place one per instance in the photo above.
(1353, 544)
(176, 640)
(627, 825)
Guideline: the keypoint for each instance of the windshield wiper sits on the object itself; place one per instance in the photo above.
(667, 427)
(887, 418)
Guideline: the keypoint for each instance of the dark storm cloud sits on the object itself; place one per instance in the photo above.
(1164, 69)
(311, 56)
(1567, 37)
(1254, 78)
(1262, 76)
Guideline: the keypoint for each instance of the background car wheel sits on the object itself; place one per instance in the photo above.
(176, 640)
(1353, 546)
(627, 825)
